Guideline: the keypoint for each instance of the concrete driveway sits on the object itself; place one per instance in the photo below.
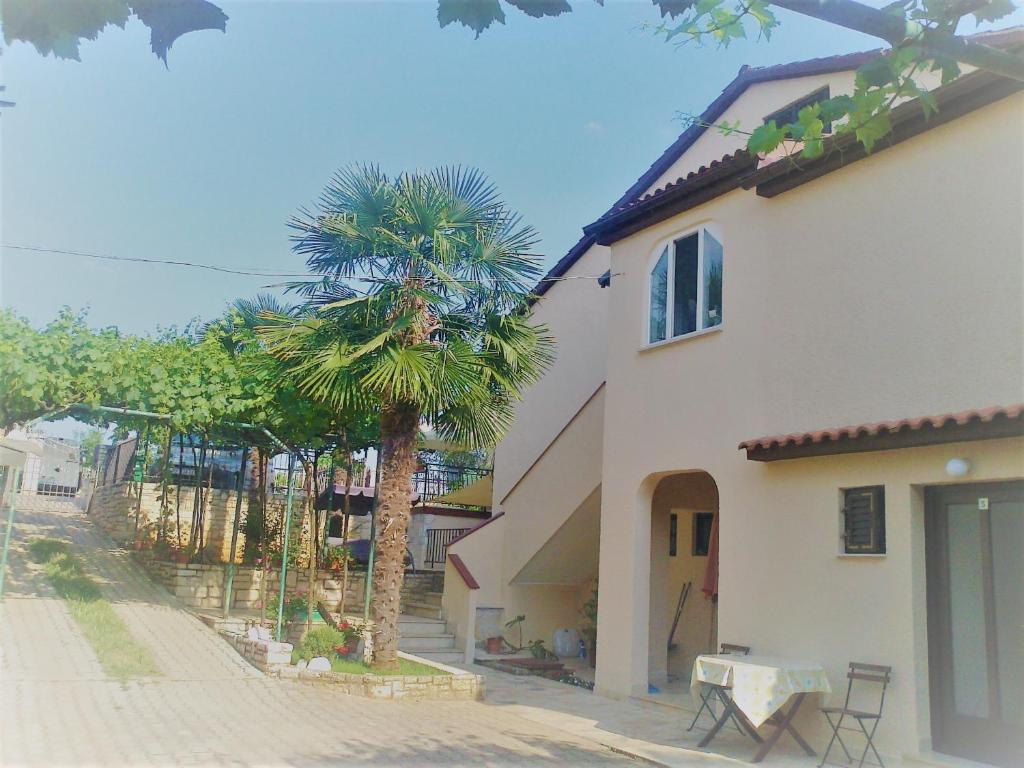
(208, 707)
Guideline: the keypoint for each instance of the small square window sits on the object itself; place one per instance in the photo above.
(702, 532)
(791, 112)
(864, 520)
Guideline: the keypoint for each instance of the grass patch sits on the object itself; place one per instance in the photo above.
(120, 655)
(352, 667)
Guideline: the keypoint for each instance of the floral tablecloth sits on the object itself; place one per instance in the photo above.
(760, 684)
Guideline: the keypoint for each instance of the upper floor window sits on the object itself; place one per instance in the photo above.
(686, 287)
(791, 112)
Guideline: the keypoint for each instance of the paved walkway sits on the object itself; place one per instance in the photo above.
(208, 707)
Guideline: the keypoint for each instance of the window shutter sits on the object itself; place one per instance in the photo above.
(864, 520)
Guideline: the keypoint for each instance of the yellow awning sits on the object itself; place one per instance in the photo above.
(476, 494)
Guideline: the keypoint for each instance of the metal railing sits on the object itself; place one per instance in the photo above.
(433, 480)
(438, 540)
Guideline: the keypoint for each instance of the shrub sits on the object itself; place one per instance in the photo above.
(320, 641)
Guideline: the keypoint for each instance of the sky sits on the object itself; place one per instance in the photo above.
(206, 160)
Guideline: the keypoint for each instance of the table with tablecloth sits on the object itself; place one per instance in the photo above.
(759, 686)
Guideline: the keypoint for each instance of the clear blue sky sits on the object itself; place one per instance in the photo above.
(205, 161)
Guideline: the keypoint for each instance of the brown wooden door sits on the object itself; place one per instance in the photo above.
(975, 563)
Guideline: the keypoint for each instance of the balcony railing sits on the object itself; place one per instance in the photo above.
(433, 480)
(438, 540)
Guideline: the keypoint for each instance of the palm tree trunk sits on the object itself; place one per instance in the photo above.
(399, 424)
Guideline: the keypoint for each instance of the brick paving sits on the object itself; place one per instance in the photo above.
(208, 707)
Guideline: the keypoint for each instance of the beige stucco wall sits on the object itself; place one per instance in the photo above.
(547, 607)
(565, 475)
(575, 312)
(891, 288)
(749, 111)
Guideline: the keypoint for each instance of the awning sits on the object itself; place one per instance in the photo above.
(361, 498)
(978, 424)
(14, 452)
(476, 494)
(431, 441)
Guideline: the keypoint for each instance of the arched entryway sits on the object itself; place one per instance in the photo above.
(683, 619)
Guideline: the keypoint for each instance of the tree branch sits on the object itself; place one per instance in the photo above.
(895, 29)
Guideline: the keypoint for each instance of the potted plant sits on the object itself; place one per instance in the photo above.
(352, 637)
(589, 628)
(537, 649)
(335, 557)
(517, 623)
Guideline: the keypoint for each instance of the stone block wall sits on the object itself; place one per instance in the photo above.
(202, 585)
(113, 507)
(266, 655)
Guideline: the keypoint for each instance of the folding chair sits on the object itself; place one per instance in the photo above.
(866, 674)
(709, 691)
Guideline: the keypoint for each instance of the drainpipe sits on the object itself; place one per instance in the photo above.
(229, 573)
(284, 554)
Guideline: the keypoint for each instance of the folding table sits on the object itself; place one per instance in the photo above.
(760, 687)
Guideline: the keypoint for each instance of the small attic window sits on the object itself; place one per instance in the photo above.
(790, 112)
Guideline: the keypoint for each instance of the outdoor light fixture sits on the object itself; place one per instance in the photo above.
(958, 467)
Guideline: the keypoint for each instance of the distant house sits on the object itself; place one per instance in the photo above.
(824, 360)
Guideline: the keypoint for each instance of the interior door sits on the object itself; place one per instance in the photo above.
(975, 565)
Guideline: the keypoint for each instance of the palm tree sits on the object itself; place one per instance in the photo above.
(420, 313)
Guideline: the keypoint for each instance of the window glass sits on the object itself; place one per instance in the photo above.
(684, 289)
(659, 298)
(712, 281)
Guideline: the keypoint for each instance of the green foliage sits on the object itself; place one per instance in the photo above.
(405, 667)
(320, 641)
(441, 328)
(589, 614)
(537, 649)
(881, 83)
(59, 26)
(88, 441)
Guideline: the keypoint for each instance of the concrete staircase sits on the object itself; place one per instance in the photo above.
(424, 603)
(427, 637)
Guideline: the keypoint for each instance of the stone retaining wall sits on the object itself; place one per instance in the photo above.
(266, 655)
(202, 585)
(113, 507)
(274, 659)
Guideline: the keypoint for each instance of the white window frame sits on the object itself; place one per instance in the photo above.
(669, 242)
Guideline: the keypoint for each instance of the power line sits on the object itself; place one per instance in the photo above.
(257, 272)
(141, 260)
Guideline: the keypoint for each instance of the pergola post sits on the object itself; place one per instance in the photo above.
(229, 572)
(284, 554)
(367, 584)
(16, 489)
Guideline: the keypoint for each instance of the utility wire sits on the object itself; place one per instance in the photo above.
(257, 272)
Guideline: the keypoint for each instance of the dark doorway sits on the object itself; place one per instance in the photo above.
(975, 541)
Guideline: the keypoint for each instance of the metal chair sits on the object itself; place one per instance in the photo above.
(866, 675)
(709, 690)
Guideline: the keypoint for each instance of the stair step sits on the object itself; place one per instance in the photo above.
(421, 610)
(429, 643)
(422, 600)
(442, 657)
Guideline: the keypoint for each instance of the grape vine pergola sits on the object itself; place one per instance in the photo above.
(252, 435)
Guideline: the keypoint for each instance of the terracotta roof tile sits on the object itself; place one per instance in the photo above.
(961, 418)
